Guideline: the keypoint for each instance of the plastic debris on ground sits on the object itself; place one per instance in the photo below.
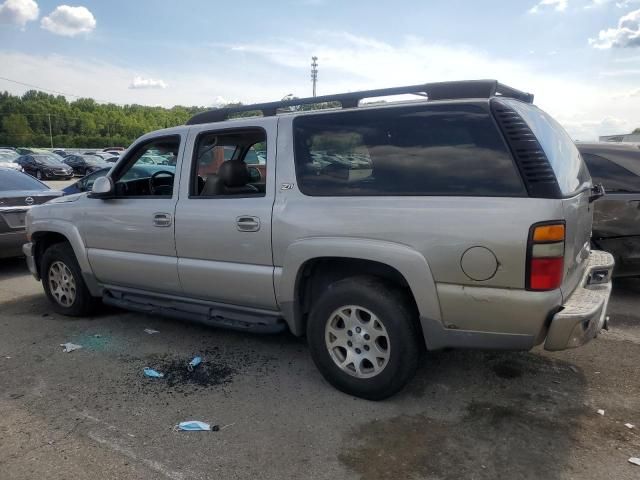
(601, 412)
(635, 461)
(629, 425)
(151, 331)
(150, 372)
(194, 425)
(70, 347)
(194, 363)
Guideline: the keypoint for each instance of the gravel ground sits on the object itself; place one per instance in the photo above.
(467, 414)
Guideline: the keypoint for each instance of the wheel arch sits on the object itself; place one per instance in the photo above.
(45, 235)
(311, 264)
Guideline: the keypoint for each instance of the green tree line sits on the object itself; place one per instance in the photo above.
(25, 120)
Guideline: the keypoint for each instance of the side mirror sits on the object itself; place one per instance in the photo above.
(255, 174)
(102, 188)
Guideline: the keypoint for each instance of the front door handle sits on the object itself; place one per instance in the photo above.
(161, 220)
(247, 223)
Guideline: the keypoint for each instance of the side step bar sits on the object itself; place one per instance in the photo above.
(212, 314)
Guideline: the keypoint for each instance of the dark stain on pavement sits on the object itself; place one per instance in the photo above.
(490, 441)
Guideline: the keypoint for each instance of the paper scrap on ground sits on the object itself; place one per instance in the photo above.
(635, 461)
(150, 372)
(629, 425)
(70, 347)
(194, 363)
(601, 412)
(151, 331)
(193, 425)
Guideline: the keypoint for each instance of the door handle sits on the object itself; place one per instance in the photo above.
(247, 223)
(161, 220)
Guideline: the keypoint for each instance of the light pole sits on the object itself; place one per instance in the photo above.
(50, 134)
(314, 73)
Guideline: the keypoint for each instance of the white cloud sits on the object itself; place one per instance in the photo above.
(18, 12)
(626, 35)
(69, 21)
(619, 3)
(142, 83)
(557, 5)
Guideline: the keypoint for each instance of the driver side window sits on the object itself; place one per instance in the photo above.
(150, 169)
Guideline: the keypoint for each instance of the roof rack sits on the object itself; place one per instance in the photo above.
(433, 91)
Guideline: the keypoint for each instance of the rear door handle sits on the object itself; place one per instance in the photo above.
(247, 223)
(161, 220)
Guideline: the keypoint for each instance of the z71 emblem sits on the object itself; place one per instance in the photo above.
(286, 186)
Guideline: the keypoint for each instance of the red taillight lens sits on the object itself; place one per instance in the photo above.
(546, 256)
(546, 273)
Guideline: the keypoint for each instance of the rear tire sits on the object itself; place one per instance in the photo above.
(63, 282)
(363, 337)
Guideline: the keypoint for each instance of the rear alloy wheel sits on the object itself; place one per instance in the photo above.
(63, 283)
(363, 337)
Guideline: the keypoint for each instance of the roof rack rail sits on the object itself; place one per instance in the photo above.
(433, 91)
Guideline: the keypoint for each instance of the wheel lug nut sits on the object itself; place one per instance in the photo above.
(349, 343)
(357, 329)
(366, 336)
(366, 347)
(349, 332)
(358, 351)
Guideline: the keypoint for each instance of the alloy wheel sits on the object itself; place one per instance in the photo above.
(62, 284)
(357, 341)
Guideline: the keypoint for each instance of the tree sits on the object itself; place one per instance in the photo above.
(16, 130)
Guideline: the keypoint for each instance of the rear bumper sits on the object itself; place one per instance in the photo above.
(584, 313)
(28, 251)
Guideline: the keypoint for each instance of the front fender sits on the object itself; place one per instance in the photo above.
(71, 233)
(410, 263)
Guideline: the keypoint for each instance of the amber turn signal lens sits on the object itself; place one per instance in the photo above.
(548, 233)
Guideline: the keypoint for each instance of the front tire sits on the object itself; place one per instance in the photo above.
(63, 283)
(363, 337)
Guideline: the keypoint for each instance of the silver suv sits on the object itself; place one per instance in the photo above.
(460, 220)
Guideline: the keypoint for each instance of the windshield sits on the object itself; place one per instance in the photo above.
(7, 157)
(48, 160)
(12, 180)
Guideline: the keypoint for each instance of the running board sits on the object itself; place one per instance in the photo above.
(212, 314)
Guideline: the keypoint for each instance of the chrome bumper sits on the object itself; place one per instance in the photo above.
(27, 249)
(584, 313)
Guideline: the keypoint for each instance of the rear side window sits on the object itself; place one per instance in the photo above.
(562, 153)
(614, 177)
(417, 150)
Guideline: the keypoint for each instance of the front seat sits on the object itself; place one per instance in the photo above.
(232, 179)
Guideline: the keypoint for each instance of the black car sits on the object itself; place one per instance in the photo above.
(18, 192)
(60, 152)
(616, 218)
(44, 166)
(84, 164)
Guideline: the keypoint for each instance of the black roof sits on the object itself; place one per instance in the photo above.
(433, 91)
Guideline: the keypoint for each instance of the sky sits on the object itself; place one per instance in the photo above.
(580, 58)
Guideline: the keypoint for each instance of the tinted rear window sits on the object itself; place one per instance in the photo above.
(612, 176)
(12, 180)
(417, 150)
(562, 153)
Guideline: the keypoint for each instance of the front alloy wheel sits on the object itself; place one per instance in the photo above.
(357, 341)
(62, 284)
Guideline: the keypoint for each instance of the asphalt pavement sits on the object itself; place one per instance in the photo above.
(468, 414)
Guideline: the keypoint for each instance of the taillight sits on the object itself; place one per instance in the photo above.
(545, 258)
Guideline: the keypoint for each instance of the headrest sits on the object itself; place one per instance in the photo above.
(234, 173)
